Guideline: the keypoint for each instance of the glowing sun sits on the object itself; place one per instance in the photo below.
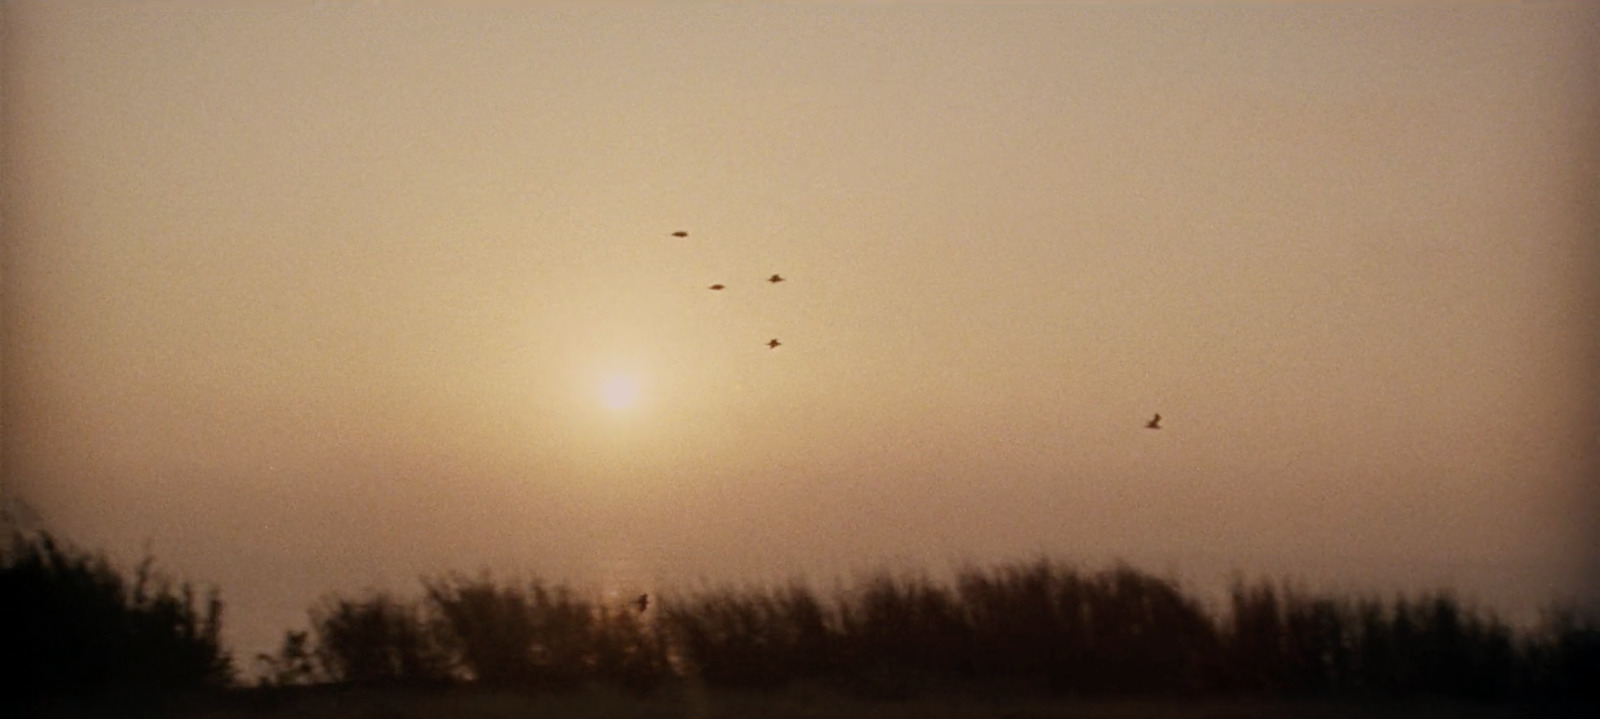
(619, 392)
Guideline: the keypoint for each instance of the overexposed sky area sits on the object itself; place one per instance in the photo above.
(310, 297)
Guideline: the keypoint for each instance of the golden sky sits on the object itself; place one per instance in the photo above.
(307, 297)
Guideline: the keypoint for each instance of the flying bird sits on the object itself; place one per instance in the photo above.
(775, 279)
(643, 602)
(1154, 423)
(718, 287)
(680, 233)
(773, 343)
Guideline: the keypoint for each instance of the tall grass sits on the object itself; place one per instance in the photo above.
(753, 638)
(75, 625)
(471, 631)
(1037, 627)
(377, 640)
(1286, 642)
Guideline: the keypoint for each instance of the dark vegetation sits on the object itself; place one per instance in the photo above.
(75, 626)
(1039, 628)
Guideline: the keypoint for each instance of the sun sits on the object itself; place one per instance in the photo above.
(619, 392)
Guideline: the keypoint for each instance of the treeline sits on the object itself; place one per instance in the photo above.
(1037, 627)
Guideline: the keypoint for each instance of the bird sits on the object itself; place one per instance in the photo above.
(776, 278)
(1154, 423)
(773, 343)
(680, 233)
(643, 602)
(717, 287)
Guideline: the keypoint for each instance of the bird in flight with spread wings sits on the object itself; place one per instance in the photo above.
(773, 343)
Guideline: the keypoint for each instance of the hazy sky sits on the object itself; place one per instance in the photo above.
(309, 298)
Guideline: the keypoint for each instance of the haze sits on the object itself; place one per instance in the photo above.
(307, 298)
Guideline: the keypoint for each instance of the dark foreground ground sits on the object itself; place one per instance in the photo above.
(345, 703)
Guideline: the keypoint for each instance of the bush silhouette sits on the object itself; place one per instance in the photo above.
(1115, 632)
(295, 663)
(378, 640)
(753, 638)
(542, 638)
(1563, 656)
(73, 625)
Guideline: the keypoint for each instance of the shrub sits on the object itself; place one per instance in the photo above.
(377, 640)
(74, 625)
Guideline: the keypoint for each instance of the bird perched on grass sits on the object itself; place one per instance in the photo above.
(773, 343)
(1154, 423)
(643, 602)
(680, 233)
(776, 278)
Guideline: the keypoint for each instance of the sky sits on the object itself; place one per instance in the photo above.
(307, 298)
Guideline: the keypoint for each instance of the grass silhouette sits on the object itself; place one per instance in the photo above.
(1039, 628)
(1042, 633)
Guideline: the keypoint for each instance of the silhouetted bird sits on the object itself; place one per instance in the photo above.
(717, 287)
(775, 279)
(680, 233)
(1154, 423)
(643, 602)
(773, 344)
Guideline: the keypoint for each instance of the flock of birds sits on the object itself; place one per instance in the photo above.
(643, 601)
(773, 343)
